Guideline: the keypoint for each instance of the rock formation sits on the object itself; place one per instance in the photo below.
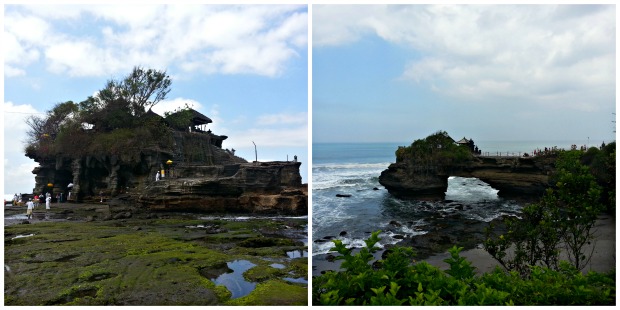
(412, 177)
(196, 175)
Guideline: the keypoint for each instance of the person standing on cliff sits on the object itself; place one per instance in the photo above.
(30, 205)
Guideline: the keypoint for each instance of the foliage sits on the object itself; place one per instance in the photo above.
(180, 118)
(565, 216)
(602, 164)
(43, 130)
(437, 148)
(139, 90)
(399, 281)
(112, 122)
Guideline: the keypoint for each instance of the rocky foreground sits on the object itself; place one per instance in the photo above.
(433, 246)
(96, 254)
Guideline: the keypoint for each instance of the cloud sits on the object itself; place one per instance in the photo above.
(18, 168)
(274, 130)
(283, 118)
(170, 105)
(247, 39)
(534, 53)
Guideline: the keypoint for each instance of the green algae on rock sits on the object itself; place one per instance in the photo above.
(143, 261)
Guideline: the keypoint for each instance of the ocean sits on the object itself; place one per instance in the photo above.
(354, 168)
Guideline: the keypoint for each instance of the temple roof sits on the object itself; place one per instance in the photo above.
(197, 118)
(463, 141)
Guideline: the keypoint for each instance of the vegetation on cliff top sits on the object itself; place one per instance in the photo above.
(436, 149)
(115, 121)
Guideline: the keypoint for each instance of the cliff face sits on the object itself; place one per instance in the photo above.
(197, 174)
(271, 187)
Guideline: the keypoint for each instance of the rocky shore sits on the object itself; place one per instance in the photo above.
(102, 254)
(433, 247)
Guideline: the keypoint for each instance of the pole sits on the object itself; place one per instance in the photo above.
(255, 152)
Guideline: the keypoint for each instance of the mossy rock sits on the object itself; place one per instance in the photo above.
(262, 242)
(111, 263)
(262, 273)
(274, 292)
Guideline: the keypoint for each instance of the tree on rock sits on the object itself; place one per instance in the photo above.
(121, 101)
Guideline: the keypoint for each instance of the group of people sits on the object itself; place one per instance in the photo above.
(30, 205)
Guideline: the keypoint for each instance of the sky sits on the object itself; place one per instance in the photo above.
(245, 67)
(396, 73)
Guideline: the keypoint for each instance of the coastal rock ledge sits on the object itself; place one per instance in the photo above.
(185, 170)
(422, 170)
(262, 188)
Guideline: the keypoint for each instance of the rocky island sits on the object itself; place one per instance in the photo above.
(152, 210)
(110, 146)
(422, 170)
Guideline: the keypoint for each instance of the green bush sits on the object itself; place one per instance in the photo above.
(399, 281)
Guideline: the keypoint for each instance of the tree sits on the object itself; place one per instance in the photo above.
(141, 90)
(115, 114)
(565, 216)
(43, 130)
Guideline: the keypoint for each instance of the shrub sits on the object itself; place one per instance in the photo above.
(398, 281)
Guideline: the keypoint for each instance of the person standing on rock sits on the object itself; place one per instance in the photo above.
(30, 205)
(48, 202)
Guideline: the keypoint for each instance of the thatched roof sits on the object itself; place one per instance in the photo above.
(199, 118)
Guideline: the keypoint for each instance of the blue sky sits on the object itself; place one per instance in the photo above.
(396, 73)
(245, 67)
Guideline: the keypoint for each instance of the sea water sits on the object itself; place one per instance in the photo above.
(354, 168)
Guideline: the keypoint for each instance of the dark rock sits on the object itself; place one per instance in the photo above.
(343, 195)
(330, 258)
(395, 223)
(343, 233)
(512, 176)
(398, 237)
(122, 215)
(375, 188)
(205, 178)
(136, 228)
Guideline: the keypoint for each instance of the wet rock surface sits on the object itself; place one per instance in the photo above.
(148, 258)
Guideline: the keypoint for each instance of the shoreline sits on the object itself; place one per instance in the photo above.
(602, 260)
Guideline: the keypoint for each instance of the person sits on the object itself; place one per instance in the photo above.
(69, 189)
(36, 200)
(48, 202)
(101, 196)
(157, 176)
(295, 158)
(57, 197)
(30, 205)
